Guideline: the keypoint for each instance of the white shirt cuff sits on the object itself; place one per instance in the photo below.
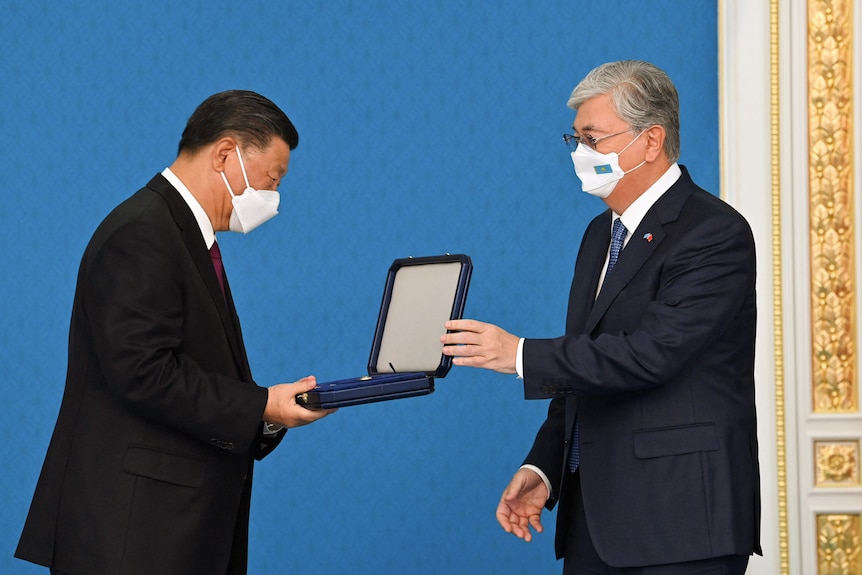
(271, 428)
(519, 359)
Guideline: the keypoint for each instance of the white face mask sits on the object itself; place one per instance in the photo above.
(253, 207)
(599, 173)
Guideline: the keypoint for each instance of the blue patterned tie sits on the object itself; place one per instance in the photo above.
(618, 236)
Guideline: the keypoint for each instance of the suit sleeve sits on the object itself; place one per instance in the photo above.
(548, 447)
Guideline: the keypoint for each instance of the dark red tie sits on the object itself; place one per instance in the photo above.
(215, 255)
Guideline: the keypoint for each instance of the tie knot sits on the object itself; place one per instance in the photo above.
(215, 252)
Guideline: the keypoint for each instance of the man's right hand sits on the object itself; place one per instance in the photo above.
(522, 503)
(282, 409)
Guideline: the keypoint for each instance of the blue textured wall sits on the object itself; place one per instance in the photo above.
(425, 127)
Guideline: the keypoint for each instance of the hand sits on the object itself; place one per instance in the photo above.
(522, 503)
(281, 406)
(478, 344)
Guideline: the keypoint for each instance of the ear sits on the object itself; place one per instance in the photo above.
(221, 150)
(655, 136)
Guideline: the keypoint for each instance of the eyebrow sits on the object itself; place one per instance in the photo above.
(587, 128)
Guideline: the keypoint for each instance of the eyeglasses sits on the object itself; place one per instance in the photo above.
(574, 141)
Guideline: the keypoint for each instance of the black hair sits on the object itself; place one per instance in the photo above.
(249, 117)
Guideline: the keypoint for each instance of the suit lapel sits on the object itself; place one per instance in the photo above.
(588, 268)
(632, 257)
(644, 241)
(194, 243)
(239, 351)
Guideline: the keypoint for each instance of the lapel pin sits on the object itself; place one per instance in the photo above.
(648, 237)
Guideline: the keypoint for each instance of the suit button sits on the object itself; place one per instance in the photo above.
(243, 476)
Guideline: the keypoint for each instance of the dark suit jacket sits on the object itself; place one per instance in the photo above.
(149, 467)
(659, 370)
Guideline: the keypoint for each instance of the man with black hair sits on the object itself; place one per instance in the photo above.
(149, 469)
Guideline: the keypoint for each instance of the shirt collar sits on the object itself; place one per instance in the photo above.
(203, 220)
(637, 210)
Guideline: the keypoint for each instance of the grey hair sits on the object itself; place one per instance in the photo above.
(642, 94)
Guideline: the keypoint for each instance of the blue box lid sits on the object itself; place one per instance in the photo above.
(421, 295)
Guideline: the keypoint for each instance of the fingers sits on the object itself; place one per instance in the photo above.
(519, 525)
(305, 416)
(282, 408)
(516, 514)
(465, 325)
(515, 524)
(465, 331)
(297, 415)
(305, 384)
(511, 522)
(483, 345)
(503, 512)
(536, 522)
(309, 415)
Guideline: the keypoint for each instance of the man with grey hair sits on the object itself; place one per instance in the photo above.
(650, 445)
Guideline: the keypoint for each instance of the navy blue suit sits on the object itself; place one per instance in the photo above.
(659, 371)
(149, 467)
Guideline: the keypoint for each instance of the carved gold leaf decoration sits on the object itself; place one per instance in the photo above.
(837, 463)
(838, 545)
(830, 117)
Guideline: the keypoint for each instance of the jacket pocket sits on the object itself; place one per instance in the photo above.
(164, 466)
(680, 440)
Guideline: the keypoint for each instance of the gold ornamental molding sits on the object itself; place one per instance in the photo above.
(838, 549)
(830, 168)
(834, 385)
(777, 293)
(836, 464)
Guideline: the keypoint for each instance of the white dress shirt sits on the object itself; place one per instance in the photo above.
(201, 216)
